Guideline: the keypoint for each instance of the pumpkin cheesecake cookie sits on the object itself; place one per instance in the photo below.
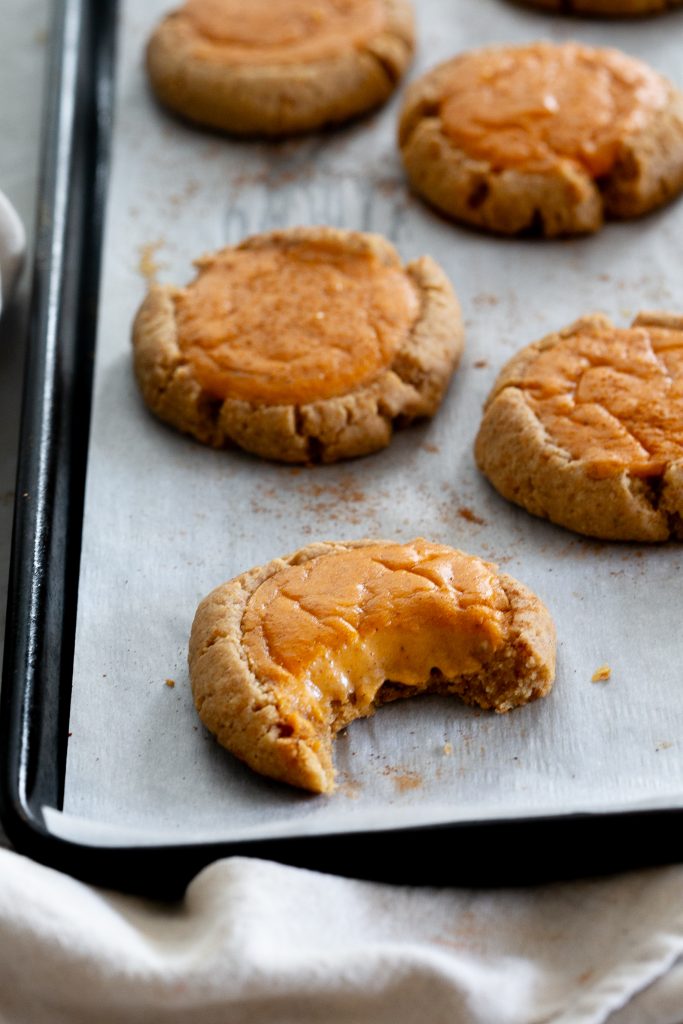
(302, 345)
(283, 657)
(585, 428)
(543, 139)
(270, 68)
(614, 7)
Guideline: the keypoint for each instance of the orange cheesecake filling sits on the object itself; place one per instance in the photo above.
(612, 397)
(335, 628)
(530, 107)
(293, 325)
(284, 31)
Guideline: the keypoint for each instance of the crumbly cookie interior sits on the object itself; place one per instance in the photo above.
(293, 324)
(532, 107)
(262, 31)
(611, 397)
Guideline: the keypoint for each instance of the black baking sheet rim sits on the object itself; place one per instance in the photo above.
(43, 586)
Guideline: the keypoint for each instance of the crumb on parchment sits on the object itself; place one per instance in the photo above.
(148, 265)
(170, 683)
(602, 674)
(403, 779)
(471, 517)
(448, 750)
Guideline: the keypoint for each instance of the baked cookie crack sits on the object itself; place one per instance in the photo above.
(543, 139)
(585, 428)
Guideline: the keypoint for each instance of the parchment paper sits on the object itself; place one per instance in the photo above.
(166, 520)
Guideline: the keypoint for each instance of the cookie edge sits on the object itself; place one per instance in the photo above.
(648, 172)
(526, 467)
(347, 426)
(277, 100)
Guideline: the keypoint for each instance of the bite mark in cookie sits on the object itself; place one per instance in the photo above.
(585, 428)
(283, 657)
(543, 138)
(301, 345)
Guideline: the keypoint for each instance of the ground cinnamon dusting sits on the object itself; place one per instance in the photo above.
(336, 316)
(350, 788)
(343, 500)
(403, 780)
(466, 513)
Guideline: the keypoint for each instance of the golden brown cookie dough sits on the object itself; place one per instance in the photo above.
(585, 428)
(618, 8)
(302, 345)
(283, 657)
(543, 139)
(278, 68)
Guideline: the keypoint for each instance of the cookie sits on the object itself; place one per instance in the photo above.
(543, 139)
(585, 428)
(302, 345)
(613, 7)
(283, 657)
(274, 69)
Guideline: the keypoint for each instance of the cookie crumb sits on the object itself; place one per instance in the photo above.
(407, 780)
(170, 683)
(602, 674)
(148, 266)
(349, 788)
(480, 364)
(486, 299)
(466, 513)
(448, 750)
(403, 778)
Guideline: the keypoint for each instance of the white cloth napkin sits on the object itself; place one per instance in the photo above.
(257, 943)
(12, 248)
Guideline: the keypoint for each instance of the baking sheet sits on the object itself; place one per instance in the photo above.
(167, 520)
